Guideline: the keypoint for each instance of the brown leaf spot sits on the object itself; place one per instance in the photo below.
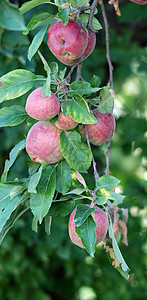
(1, 83)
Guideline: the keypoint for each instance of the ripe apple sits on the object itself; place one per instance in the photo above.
(101, 220)
(90, 45)
(41, 108)
(102, 130)
(68, 42)
(43, 143)
(141, 2)
(65, 122)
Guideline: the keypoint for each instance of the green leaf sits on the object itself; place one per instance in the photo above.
(63, 177)
(107, 182)
(46, 66)
(106, 101)
(37, 21)
(95, 81)
(10, 17)
(40, 203)
(78, 110)
(46, 90)
(54, 68)
(48, 221)
(82, 213)
(117, 199)
(81, 88)
(102, 195)
(62, 208)
(78, 3)
(87, 234)
(83, 19)
(63, 15)
(36, 42)
(117, 252)
(15, 83)
(35, 224)
(7, 205)
(12, 157)
(12, 115)
(31, 4)
(34, 180)
(78, 155)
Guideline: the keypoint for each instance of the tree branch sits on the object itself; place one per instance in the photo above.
(92, 10)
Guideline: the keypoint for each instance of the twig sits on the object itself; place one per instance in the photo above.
(92, 10)
(110, 82)
(107, 155)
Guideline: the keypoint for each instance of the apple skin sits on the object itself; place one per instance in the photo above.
(101, 219)
(141, 2)
(43, 143)
(102, 130)
(65, 122)
(41, 108)
(68, 42)
(91, 44)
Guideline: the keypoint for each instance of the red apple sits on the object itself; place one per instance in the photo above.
(43, 143)
(65, 122)
(102, 130)
(41, 108)
(141, 2)
(90, 45)
(101, 220)
(68, 42)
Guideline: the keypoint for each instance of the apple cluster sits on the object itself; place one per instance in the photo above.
(68, 43)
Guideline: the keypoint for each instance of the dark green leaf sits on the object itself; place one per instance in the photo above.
(62, 208)
(83, 19)
(10, 17)
(87, 234)
(78, 155)
(12, 115)
(31, 4)
(78, 110)
(63, 177)
(37, 21)
(40, 203)
(107, 182)
(15, 83)
(63, 15)
(82, 213)
(95, 81)
(36, 42)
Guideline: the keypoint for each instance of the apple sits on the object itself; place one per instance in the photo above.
(41, 108)
(68, 42)
(65, 122)
(101, 220)
(91, 44)
(102, 130)
(141, 2)
(43, 142)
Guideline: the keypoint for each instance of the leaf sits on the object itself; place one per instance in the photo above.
(46, 66)
(81, 88)
(31, 4)
(95, 81)
(87, 234)
(12, 115)
(35, 224)
(54, 68)
(118, 254)
(10, 17)
(106, 101)
(12, 157)
(48, 221)
(63, 177)
(46, 90)
(117, 199)
(63, 15)
(40, 203)
(78, 3)
(15, 83)
(37, 21)
(83, 18)
(82, 213)
(78, 155)
(36, 42)
(34, 180)
(7, 205)
(17, 190)
(81, 179)
(78, 110)
(102, 195)
(62, 208)
(107, 182)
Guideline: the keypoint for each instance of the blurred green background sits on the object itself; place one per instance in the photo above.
(40, 267)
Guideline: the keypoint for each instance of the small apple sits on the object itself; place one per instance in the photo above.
(68, 42)
(41, 108)
(43, 143)
(141, 2)
(65, 122)
(91, 44)
(101, 220)
(102, 130)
